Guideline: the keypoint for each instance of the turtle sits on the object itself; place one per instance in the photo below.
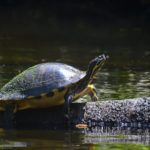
(49, 84)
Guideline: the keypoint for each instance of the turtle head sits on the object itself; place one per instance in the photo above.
(96, 65)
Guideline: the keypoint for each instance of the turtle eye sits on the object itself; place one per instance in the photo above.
(102, 57)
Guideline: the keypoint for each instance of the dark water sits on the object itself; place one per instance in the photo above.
(32, 36)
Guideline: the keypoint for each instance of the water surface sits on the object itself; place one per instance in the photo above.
(96, 138)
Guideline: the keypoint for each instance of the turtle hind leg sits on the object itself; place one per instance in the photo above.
(8, 116)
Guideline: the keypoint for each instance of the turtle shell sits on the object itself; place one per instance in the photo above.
(40, 79)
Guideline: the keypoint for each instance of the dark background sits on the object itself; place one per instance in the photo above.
(32, 31)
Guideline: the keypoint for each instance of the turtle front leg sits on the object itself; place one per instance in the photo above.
(67, 102)
(92, 92)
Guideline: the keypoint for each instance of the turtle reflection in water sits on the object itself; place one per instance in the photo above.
(49, 84)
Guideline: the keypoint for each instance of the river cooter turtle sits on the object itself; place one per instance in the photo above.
(49, 84)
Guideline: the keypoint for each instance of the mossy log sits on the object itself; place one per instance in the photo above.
(129, 112)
